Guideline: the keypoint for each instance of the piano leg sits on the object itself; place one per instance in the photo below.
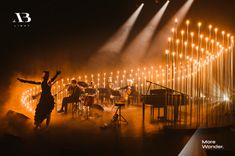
(152, 113)
(165, 112)
(158, 112)
(176, 109)
(143, 111)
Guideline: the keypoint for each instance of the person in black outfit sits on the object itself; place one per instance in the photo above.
(75, 92)
(46, 102)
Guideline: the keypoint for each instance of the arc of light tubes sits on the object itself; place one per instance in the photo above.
(117, 41)
(159, 41)
(140, 44)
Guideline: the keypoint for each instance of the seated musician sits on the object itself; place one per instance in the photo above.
(92, 85)
(75, 92)
(129, 90)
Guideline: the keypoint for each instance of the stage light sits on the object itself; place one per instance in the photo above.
(187, 22)
(169, 39)
(182, 32)
(177, 41)
(210, 26)
(140, 44)
(199, 24)
(181, 55)
(226, 98)
(176, 20)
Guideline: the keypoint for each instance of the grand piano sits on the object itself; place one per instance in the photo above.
(161, 99)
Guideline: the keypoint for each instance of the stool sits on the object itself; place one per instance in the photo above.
(117, 117)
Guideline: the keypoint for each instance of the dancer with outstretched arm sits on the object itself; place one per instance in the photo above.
(46, 102)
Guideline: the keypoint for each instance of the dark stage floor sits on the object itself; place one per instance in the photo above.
(68, 136)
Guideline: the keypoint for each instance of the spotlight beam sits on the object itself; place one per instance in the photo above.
(113, 46)
(140, 44)
(158, 44)
(116, 42)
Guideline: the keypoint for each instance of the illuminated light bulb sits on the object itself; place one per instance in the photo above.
(173, 30)
(193, 45)
(169, 39)
(167, 52)
(216, 29)
(226, 98)
(173, 53)
(177, 41)
(201, 36)
(181, 55)
(192, 34)
(228, 35)
(210, 26)
(206, 39)
(212, 41)
(187, 22)
(223, 32)
(182, 32)
(176, 20)
(199, 24)
(185, 43)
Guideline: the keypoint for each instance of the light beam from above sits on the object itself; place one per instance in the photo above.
(158, 45)
(138, 47)
(114, 45)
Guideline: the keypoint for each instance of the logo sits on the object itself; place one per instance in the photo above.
(22, 19)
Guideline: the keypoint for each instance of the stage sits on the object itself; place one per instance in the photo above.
(79, 136)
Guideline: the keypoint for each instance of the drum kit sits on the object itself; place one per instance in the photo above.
(86, 105)
(90, 97)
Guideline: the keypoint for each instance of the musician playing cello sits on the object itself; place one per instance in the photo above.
(74, 92)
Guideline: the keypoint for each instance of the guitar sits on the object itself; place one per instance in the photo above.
(126, 93)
